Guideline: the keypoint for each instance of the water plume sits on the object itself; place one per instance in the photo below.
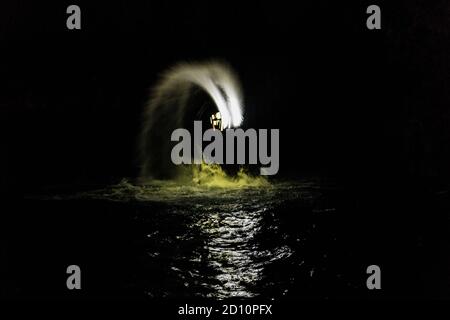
(171, 106)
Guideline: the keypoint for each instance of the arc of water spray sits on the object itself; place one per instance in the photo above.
(168, 106)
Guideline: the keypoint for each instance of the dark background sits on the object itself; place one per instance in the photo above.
(369, 108)
(350, 102)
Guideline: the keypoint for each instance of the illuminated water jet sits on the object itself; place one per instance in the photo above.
(169, 108)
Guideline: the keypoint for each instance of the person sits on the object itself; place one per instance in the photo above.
(216, 121)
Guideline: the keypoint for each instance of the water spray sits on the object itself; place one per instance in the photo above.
(169, 107)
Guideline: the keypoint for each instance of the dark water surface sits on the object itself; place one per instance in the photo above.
(286, 240)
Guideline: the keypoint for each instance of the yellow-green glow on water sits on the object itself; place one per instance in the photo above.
(203, 181)
(213, 176)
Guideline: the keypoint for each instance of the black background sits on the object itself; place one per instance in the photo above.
(369, 108)
(349, 101)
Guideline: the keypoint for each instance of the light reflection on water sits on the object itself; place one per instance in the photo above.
(231, 250)
(215, 242)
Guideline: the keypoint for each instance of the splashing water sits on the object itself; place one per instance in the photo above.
(171, 107)
(214, 176)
